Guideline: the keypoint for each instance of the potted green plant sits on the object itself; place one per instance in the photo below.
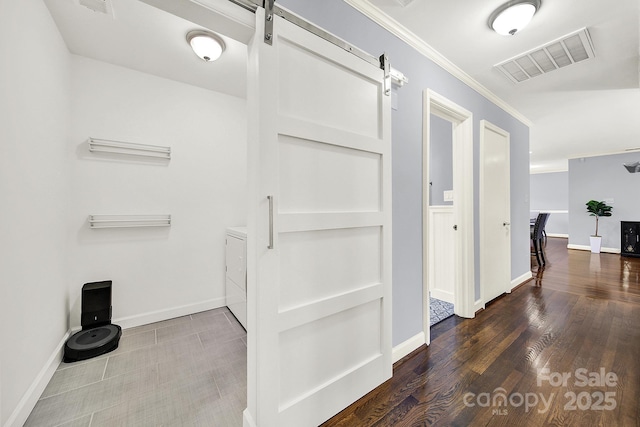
(597, 209)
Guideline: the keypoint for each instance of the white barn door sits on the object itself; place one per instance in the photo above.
(319, 243)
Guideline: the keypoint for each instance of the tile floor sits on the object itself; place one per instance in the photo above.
(439, 310)
(187, 371)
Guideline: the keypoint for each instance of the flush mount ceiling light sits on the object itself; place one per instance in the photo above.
(513, 16)
(206, 45)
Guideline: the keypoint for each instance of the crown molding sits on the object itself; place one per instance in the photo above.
(604, 153)
(400, 31)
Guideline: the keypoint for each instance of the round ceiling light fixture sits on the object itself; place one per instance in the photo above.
(513, 16)
(206, 45)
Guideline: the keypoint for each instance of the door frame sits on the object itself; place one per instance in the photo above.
(485, 125)
(462, 140)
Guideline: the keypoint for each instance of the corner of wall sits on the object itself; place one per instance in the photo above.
(35, 390)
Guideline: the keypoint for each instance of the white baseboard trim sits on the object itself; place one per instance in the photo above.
(33, 393)
(520, 280)
(564, 236)
(441, 295)
(480, 305)
(588, 248)
(402, 349)
(169, 313)
(247, 419)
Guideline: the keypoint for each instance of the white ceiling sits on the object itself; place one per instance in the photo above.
(592, 107)
(146, 39)
(588, 108)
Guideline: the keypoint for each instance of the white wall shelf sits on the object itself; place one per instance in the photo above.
(128, 148)
(129, 221)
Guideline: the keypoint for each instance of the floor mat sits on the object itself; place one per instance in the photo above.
(439, 310)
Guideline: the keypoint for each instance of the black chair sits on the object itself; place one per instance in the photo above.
(537, 237)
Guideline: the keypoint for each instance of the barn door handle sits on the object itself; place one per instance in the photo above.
(506, 223)
(455, 227)
(270, 198)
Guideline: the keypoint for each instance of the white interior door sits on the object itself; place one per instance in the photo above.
(495, 212)
(319, 276)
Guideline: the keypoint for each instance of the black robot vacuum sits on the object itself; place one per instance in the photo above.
(98, 336)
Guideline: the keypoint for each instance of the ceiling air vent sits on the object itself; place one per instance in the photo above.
(570, 49)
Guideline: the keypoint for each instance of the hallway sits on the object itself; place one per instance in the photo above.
(577, 318)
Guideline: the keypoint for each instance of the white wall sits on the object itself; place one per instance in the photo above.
(34, 122)
(157, 272)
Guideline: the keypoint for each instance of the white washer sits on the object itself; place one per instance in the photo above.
(236, 277)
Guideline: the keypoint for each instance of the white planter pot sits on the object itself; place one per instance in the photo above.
(596, 243)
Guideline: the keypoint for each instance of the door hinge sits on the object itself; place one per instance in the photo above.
(386, 67)
(268, 21)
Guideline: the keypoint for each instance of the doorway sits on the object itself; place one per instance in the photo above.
(440, 205)
(461, 229)
(307, 208)
(305, 159)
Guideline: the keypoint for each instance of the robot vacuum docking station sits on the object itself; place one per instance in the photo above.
(98, 336)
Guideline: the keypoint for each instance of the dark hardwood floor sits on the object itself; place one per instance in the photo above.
(578, 317)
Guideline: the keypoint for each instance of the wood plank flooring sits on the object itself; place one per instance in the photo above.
(578, 317)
